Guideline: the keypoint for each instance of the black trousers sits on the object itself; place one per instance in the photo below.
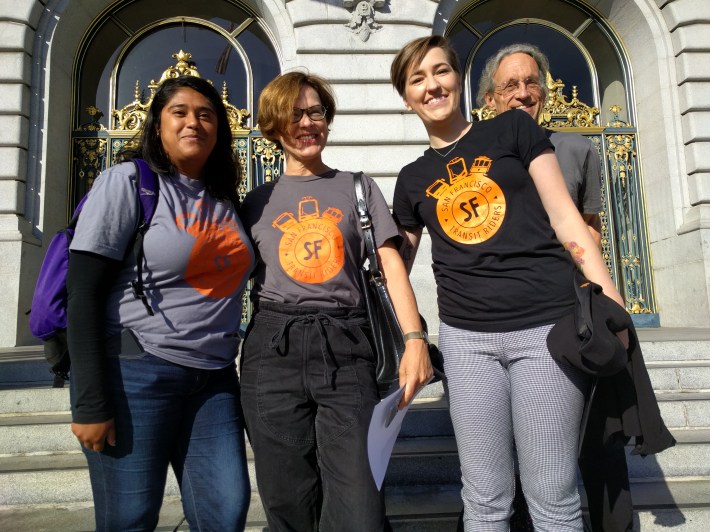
(308, 391)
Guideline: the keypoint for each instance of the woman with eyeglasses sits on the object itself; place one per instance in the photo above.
(308, 366)
(505, 240)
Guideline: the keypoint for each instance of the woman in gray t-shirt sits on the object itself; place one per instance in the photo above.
(157, 389)
(308, 367)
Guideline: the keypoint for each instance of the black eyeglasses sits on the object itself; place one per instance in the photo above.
(315, 113)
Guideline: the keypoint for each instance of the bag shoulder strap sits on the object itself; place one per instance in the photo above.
(147, 190)
(366, 226)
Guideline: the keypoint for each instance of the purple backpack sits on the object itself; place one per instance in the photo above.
(48, 316)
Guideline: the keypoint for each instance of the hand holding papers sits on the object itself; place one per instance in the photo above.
(384, 427)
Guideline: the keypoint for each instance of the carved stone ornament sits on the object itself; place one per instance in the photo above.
(132, 116)
(558, 111)
(362, 22)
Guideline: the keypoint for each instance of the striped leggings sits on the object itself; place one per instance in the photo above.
(504, 387)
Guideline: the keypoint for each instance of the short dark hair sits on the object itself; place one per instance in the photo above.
(486, 85)
(412, 54)
(221, 171)
(277, 99)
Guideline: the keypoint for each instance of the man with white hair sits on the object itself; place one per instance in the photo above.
(515, 78)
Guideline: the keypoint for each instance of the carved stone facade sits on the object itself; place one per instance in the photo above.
(362, 21)
(666, 42)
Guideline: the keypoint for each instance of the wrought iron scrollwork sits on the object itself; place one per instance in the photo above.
(629, 215)
(88, 153)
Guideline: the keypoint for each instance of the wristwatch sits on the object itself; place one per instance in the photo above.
(417, 335)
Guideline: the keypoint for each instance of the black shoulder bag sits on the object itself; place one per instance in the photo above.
(388, 337)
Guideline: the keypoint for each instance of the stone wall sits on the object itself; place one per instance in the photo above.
(681, 262)
(18, 247)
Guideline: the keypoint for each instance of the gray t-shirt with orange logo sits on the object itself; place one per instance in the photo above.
(197, 261)
(307, 233)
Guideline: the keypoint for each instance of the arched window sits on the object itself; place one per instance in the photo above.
(582, 49)
(135, 40)
(131, 44)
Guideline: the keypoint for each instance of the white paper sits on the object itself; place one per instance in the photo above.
(381, 436)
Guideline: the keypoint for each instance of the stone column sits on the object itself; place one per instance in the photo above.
(685, 272)
(18, 21)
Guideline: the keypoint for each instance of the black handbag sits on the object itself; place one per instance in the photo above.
(386, 331)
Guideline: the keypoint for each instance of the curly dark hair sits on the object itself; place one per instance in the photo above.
(221, 169)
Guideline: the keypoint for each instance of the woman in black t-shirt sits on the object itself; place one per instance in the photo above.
(495, 204)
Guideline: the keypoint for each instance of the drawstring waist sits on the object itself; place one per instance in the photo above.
(286, 315)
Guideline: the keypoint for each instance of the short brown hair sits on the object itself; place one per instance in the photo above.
(278, 97)
(412, 54)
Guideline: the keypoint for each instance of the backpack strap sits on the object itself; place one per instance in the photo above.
(147, 183)
(147, 188)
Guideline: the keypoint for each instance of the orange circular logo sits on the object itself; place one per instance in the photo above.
(471, 206)
(311, 248)
(217, 265)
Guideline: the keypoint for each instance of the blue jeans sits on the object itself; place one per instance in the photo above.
(308, 390)
(171, 415)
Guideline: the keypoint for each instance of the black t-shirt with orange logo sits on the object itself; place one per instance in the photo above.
(497, 263)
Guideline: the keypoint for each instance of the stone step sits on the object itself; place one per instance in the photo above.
(79, 517)
(685, 409)
(680, 375)
(668, 344)
(435, 460)
(61, 477)
(52, 435)
(25, 366)
(659, 505)
(429, 416)
(689, 492)
(34, 400)
(31, 435)
(34, 429)
(674, 344)
(669, 376)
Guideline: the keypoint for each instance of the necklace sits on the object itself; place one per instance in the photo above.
(445, 155)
